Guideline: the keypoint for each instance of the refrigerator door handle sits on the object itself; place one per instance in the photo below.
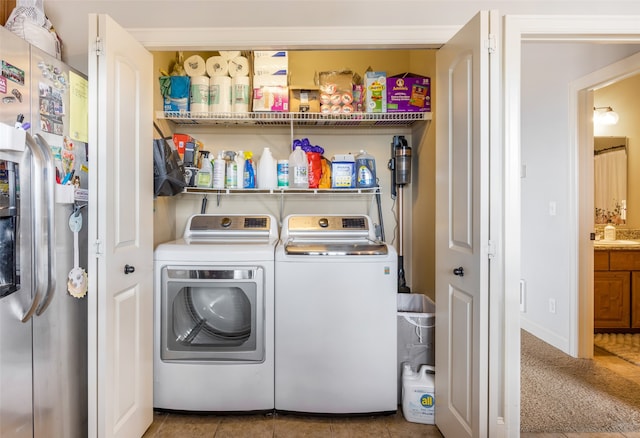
(49, 202)
(39, 226)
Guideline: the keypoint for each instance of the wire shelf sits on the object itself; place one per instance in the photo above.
(299, 119)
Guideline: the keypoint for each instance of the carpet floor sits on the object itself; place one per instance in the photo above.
(560, 393)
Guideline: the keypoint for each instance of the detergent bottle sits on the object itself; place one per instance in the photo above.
(240, 169)
(365, 170)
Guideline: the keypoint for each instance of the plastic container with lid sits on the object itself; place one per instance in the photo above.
(298, 169)
(365, 170)
(418, 394)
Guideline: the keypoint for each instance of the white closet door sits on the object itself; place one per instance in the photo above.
(462, 229)
(120, 233)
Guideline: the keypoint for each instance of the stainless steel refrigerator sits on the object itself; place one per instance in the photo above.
(43, 328)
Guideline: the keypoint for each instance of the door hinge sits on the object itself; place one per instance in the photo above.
(98, 46)
(491, 43)
(98, 248)
(491, 249)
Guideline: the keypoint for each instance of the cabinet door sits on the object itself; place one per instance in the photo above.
(635, 299)
(612, 299)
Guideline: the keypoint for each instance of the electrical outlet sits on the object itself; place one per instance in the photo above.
(552, 305)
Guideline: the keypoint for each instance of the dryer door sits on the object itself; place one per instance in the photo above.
(212, 313)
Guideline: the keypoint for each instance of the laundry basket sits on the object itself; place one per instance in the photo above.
(416, 333)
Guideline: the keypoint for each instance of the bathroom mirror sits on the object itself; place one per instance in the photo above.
(610, 179)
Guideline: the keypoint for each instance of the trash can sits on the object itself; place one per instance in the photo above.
(416, 333)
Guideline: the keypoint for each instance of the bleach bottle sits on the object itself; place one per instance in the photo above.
(418, 394)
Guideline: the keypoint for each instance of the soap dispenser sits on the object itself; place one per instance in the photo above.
(610, 232)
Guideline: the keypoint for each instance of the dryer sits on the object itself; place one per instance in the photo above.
(336, 322)
(213, 315)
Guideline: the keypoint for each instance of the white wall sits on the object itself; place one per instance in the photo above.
(548, 70)
(315, 24)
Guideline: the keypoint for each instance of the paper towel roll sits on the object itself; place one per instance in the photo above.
(195, 66)
(240, 94)
(199, 96)
(228, 55)
(238, 66)
(217, 66)
(220, 94)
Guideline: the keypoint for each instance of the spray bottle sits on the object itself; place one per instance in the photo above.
(249, 171)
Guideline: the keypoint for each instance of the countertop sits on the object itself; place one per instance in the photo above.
(617, 245)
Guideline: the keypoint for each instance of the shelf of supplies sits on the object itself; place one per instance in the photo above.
(299, 119)
(282, 191)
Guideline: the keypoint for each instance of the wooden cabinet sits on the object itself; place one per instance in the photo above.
(616, 289)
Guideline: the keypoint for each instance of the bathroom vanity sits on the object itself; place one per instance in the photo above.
(616, 286)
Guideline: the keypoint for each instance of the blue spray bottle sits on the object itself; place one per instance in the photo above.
(249, 171)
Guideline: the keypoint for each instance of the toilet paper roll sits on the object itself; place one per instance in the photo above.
(199, 95)
(217, 66)
(229, 55)
(195, 66)
(238, 66)
(240, 94)
(220, 94)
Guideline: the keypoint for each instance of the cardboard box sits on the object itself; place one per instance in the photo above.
(375, 83)
(408, 92)
(343, 171)
(304, 100)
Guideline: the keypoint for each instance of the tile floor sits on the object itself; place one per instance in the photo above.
(169, 425)
(172, 425)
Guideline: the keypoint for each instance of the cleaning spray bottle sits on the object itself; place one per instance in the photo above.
(249, 171)
(204, 175)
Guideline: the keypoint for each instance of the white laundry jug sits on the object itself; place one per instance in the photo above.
(418, 394)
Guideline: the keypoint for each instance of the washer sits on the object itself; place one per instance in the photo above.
(213, 313)
(336, 318)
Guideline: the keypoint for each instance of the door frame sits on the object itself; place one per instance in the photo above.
(588, 28)
(581, 104)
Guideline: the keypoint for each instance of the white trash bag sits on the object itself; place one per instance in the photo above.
(28, 21)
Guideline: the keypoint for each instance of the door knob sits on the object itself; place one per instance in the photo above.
(458, 271)
(128, 269)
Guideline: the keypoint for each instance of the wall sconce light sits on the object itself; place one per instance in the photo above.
(605, 115)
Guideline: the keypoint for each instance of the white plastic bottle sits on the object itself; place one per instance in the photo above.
(240, 169)
(267, 174)
(298, 169)
(219, 170)
(418, 394)
(204, 175)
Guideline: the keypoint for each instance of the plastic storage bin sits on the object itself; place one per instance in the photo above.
(416, 333)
